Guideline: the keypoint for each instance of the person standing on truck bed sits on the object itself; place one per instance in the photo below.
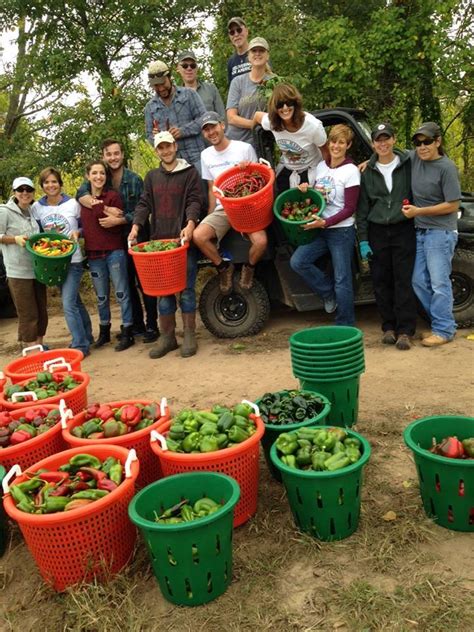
(238, 63)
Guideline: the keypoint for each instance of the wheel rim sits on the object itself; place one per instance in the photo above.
(462, 290)
(231, 309)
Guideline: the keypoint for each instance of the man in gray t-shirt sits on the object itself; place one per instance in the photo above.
(436, 194)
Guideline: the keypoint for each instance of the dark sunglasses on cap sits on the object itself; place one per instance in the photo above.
(24, 190)
(427, 141)
(238, 29)
(289, 104)
(190, 65)
(157, 75)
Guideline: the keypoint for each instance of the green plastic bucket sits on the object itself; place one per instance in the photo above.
(192, 561)
(49, 270)
(343, 395)
(294, 230)
(325, 504)
(334, 361)
(328, 375)
(327, 338)
(329, 370)
(3, 519)
(272, 431)
(446, 485)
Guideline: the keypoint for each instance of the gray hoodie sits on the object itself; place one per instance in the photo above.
(18, 261)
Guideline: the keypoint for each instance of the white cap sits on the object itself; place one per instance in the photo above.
(163, 137)
(18, 182)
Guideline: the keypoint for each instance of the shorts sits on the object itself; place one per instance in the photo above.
(218, 221)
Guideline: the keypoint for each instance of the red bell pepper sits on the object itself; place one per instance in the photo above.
(92, 411)
(451, 447)
(131, 415)
(104, 412)
(19, 436)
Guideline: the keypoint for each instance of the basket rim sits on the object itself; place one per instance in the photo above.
(356, 338)
(231, 170)
(17, 450)
(49, 400)
(301, 222)
(185, 526)
(136, 434)
(306, 422)
(312, 474)
(424, 453)
(51, 352)
(182, 457)
(134, 253)
(34, 238)
(41, 520)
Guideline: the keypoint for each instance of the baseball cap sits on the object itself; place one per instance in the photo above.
(382, 128)
(163, 137)
(186, 54)
(18, 182)
(157, 73)
(238, 21)
(259, 42)
(429, 129)
(210, 117)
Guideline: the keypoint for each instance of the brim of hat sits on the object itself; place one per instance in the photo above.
(158, 81)
(382, 133)
(213, 122)
(423, 132)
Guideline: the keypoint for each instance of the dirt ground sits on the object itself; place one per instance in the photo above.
(400, 574)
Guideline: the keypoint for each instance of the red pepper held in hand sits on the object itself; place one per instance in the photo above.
(406, 202)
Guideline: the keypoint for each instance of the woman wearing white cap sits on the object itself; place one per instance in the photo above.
(29, 295)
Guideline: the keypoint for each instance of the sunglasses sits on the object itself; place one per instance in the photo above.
(419, 143)
(238, 29)
(24, 190)
(289, 104)
(191, 65)
(157, 75)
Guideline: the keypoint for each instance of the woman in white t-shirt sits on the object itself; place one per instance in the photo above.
(339, 181)
(300, 136)
(57, 212)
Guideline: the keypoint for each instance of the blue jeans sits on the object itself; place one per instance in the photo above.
(431, 282)
(75, 313)
(187, 301)
(340, 243)
(112, 267)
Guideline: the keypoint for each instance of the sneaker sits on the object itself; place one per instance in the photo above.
(225, 279)
(246, 277)
(150, 335)
(389, 337)
(330, 304)
(403, 342)
(435, 341)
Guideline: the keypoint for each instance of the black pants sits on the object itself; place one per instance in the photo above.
(394, 248)
(150, 302)
(283, 179)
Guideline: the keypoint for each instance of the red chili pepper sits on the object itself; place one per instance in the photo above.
(451, 447)
(107, 485)
(54, 477)
(61, 490)
(95, 473)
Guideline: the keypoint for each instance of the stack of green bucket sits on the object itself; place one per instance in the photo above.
(329, 360)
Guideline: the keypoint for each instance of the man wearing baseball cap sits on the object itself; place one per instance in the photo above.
(188, 70)
(238, 63)
(172, 199)
(222, 154)
(387, 237)
(177, 110)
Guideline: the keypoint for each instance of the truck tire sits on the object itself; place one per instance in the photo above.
(462, 277)
(237, 314)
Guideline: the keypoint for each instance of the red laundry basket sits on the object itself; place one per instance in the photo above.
(161, 273)
(252, 212)
(96, 540)
(31, 363)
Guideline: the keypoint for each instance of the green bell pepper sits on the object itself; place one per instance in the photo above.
(287, 443)
(237, 435)
(352, 441)
(208, 443)
(225, 422)
(303, 456)
(337, 462)
(318, 460)
(208, 428)
(191, 442)
(289, 460)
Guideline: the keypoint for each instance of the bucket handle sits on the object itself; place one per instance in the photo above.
(163, 405)
(66, 413)
(132, 456)
(26, 349)
(60, 364)
(53, 361)
(265, 162)
(217, 190)
(15, 396)
(156, 436)
(14, 470)
(256, 409)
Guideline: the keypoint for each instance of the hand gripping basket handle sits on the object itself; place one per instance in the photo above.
(26, 349)
(14, 470)
(66, 413)
(256, 409)
(15, 396)
(132, 456)
(156, 436)
(163, 405)
(60, 364)
(59, 360)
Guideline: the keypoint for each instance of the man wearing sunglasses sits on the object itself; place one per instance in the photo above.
(238, 63)
(436, 195)
(188, 70)
(176, 110)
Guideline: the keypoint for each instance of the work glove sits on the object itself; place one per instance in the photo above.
(20, 240)
(365, 250)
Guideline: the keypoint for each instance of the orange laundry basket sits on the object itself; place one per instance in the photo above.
(96, 540)
(240, 461)
(76, 398)
(32, 363)
(252, 212)
(138, 440)
(161, 273)
(31, 451)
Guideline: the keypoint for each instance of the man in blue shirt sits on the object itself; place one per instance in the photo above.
(238, 63)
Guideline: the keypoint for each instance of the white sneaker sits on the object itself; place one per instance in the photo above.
(330, 305)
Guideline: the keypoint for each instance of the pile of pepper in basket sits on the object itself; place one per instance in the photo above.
(204, 431)
(453, 448)
(184, 511)
(52, 247)
(81, 481)
(247, 184)
(299, 211)
(33, 423)
(156, 246)
(318, 449)
(45, 385)
(102, 421)
(289, 407)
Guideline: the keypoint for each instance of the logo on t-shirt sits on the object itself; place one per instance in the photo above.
(55, 223)
(292, 152)
(327, 186)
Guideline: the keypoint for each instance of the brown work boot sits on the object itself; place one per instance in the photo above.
(167, 341)
(225, 279)
(435, 341)
(389, 337)
(246, 277)
(403, 342)
(189, 346)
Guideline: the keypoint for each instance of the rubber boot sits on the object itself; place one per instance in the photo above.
(167, 341)
(104, 336)
(189, 346)
(126, 339)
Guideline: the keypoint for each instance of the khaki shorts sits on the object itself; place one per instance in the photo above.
(218, 221)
